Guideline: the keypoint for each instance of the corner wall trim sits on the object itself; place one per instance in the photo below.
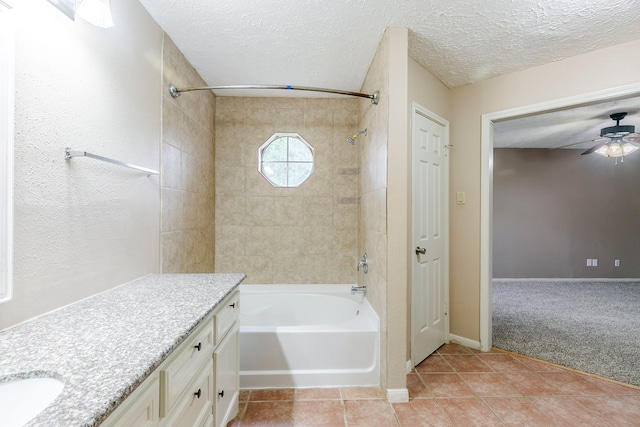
(397, 395)
(465, 342)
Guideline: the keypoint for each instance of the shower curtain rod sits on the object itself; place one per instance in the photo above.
(374, 97)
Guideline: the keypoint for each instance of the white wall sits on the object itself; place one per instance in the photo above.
(83, 226)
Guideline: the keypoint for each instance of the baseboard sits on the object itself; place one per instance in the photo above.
(567, 279)
(409, 366)
(397, 395)
(464, 341)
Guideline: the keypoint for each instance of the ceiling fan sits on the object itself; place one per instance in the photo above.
(616, 141)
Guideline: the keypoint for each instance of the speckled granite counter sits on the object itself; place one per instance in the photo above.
(105, 346)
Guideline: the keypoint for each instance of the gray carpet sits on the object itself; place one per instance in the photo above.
(589, 326)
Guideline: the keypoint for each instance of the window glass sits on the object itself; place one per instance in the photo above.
(276, 151)
(285, 160)
(298, 173)
(299, 151)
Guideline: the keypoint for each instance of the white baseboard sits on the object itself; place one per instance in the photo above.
(409, 366)
(397, 395)
(465, 341)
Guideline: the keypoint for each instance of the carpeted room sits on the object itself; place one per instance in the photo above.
(552, 211)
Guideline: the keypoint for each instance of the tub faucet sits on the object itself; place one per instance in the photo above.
(364, 263)
(358, 290)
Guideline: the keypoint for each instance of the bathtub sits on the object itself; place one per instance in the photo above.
(300, 336)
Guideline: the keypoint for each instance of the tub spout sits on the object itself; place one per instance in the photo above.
(358, 290)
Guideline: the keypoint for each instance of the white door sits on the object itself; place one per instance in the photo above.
(430, 277)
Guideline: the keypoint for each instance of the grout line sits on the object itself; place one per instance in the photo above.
(517, 355)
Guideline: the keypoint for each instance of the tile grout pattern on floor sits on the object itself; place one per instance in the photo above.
(455, 386)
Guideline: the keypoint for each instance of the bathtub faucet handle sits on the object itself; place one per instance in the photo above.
(364, 263)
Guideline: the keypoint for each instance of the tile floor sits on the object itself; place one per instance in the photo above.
(456, 386)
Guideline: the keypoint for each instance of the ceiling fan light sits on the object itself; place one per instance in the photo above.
(632, 137)
(615, 150)
(603, 151)
(629, 148)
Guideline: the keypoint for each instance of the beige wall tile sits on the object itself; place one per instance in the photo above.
(171, 252)
(229, 180)
(294, 226)
(171, 166)
(289, 211)
(171, 122)
(319, 210)
(188, 176)
(230, 240)
(259, 240)
(260, 211)
(230, 210)
(259, 269)
(256, 184)
(291, 240)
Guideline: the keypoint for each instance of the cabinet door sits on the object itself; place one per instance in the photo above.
(226, 373)
(138, 410)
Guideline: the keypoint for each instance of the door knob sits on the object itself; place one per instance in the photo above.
(420, 250)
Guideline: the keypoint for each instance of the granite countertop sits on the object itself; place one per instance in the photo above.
(103, 347)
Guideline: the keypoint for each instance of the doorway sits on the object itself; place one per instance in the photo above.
(486, 214)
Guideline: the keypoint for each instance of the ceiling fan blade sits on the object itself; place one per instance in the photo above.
(592, 149)
(597, 140)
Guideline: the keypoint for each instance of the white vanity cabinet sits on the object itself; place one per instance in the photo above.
(227, 383)
(198, 383)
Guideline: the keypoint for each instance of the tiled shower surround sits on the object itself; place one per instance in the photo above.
(187, 169)
(300, 235)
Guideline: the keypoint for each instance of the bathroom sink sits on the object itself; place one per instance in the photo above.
(22, 399)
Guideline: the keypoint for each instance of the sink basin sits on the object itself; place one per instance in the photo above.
(22, 399)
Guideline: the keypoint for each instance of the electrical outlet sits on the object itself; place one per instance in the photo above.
(589, 262)
(616, 263)
(594, 262)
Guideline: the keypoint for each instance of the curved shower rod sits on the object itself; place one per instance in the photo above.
(374, 97)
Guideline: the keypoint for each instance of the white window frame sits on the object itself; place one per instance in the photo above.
(7, 115)
(268, 142)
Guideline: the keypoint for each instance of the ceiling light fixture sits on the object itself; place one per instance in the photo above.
(96, 12)
(616, 141)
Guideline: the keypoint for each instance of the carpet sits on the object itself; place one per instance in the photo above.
(593, 327)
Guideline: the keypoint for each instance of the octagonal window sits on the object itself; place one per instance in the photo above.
(285, 160)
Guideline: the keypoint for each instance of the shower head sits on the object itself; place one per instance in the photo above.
(352, 140)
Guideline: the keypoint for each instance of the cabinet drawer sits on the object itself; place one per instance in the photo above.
(184, 365)
(226, 316)
(195, 408)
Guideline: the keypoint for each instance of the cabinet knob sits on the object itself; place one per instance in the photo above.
(221, 394)
(199, 347)
(198, 393)
(232, 305)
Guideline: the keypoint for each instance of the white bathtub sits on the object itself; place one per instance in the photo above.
(297, 336)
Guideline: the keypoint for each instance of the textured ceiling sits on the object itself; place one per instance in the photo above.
(330, 44)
